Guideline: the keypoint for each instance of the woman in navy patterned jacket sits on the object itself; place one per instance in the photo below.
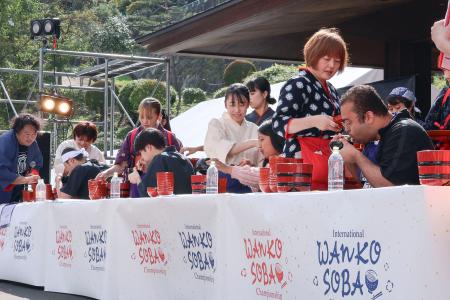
(308, 103)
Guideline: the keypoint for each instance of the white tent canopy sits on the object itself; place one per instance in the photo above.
(191, 126)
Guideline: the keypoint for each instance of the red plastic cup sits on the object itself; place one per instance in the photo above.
(198, 184)
(164, 183)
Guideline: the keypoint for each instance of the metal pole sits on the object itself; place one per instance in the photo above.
(30, 94)
(7, 97)
(35, 72)
(41, 70)
(105, 112)
(113, 86)
(106, 55)
(54, 142)
(123, 108)
(74, 87)
(17, 101)
(168, 86)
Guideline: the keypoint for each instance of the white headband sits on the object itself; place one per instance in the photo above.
(74, 153)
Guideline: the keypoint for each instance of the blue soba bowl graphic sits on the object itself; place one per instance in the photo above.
(371, 281)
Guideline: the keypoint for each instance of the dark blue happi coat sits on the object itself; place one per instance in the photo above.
(9, 149)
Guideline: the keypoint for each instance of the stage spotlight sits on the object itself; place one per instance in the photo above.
(47, 103)
(56, 104)
(35, 28)
(45, 27)
(64, 108)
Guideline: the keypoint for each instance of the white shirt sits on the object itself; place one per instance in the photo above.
(223, 133)
(93, 151)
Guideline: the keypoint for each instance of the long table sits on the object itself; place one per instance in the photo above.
(387, 243)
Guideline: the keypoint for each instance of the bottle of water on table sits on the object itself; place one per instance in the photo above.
(115, 187)
(41, 190)
(212, 179)
(335, 171)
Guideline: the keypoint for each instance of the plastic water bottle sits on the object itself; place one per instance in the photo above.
(41, 190)
(212, 179)
(335, 171)
(115, 187)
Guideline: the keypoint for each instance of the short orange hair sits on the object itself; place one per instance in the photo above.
(326, 41)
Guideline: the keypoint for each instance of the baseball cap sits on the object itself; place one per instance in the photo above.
(402, 92)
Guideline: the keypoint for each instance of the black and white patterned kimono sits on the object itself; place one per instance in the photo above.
(303, 96)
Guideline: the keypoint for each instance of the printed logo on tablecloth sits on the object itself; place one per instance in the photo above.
(3, 232)
(64, 250)
(353, 266)
(149, 251)
(199, 255)
(23, 240)
(95, 253)
(267, 269)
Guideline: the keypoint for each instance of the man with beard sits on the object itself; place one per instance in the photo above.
(366, 118)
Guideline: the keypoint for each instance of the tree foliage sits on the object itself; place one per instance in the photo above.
(275, 73)
(193, 95)
(237, 70)
(144, 88)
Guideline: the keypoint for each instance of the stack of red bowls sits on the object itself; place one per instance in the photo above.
(286, 177)
(303, 177)
(164, 183)
(198, 184)
(97, 189)
(264, 174)
(434, 167)
(273, 161)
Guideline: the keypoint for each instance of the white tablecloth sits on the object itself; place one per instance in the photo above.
(390, 243)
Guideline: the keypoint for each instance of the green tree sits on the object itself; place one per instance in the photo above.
(193, 95)
(275, 73)
(237, 70)
(113, 36)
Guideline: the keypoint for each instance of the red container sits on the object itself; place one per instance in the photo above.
(198, 184)
(303, 177)
(49, 193)
(152, 191)
(264, 174)
(96, 188)
(423, 170)
(222, 188)
(164, 183)
(434, 167)
(273, 161)
(286, 168)
(286, 176)
(29, 196)
(433, 157)
(440, 138)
